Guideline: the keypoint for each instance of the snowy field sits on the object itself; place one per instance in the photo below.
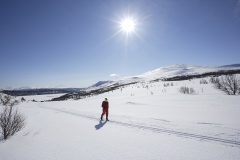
(155, 123)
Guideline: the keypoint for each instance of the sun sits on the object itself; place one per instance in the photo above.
(128, 25)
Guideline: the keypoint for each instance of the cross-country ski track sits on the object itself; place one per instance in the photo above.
(147, 127)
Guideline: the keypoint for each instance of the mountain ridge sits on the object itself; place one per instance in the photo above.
(162, 73)
(170, 73)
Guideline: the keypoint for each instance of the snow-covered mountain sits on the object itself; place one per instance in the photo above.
(165, 72)
(179, 69)
(100, 83)
(168, 73)
(157, 74)
(231, 65)
(25, 88)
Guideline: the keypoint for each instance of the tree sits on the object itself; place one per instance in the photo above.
(186, 90)
(229, 84)
(7, 100)
(11, 121)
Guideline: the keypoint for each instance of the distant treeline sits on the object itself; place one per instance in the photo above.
(36, 92)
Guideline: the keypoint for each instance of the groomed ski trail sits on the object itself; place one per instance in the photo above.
(146, 127)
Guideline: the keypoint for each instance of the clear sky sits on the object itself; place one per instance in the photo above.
(75, 43)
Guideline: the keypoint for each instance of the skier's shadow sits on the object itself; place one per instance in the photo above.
(100, 125)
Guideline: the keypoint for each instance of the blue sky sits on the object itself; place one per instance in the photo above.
(74, 43)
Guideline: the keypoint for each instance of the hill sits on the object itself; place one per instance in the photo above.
(169, 73)
(147, 121)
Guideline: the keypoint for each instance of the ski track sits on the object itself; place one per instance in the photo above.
(232, 143)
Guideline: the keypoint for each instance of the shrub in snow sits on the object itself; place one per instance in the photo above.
(216, 82)
(203, 81)
(11, 121)
(213, 80)
(166, 84)
(23, 99)
(229, 84)
(186, 90)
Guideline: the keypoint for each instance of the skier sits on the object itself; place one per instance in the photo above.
(105, 109)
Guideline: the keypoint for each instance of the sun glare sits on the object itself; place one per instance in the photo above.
(128, 25)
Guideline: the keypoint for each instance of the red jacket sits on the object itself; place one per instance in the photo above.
(105, 105)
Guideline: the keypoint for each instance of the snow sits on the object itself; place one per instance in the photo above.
(163, 72)
(41, 97)
(145, 123)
